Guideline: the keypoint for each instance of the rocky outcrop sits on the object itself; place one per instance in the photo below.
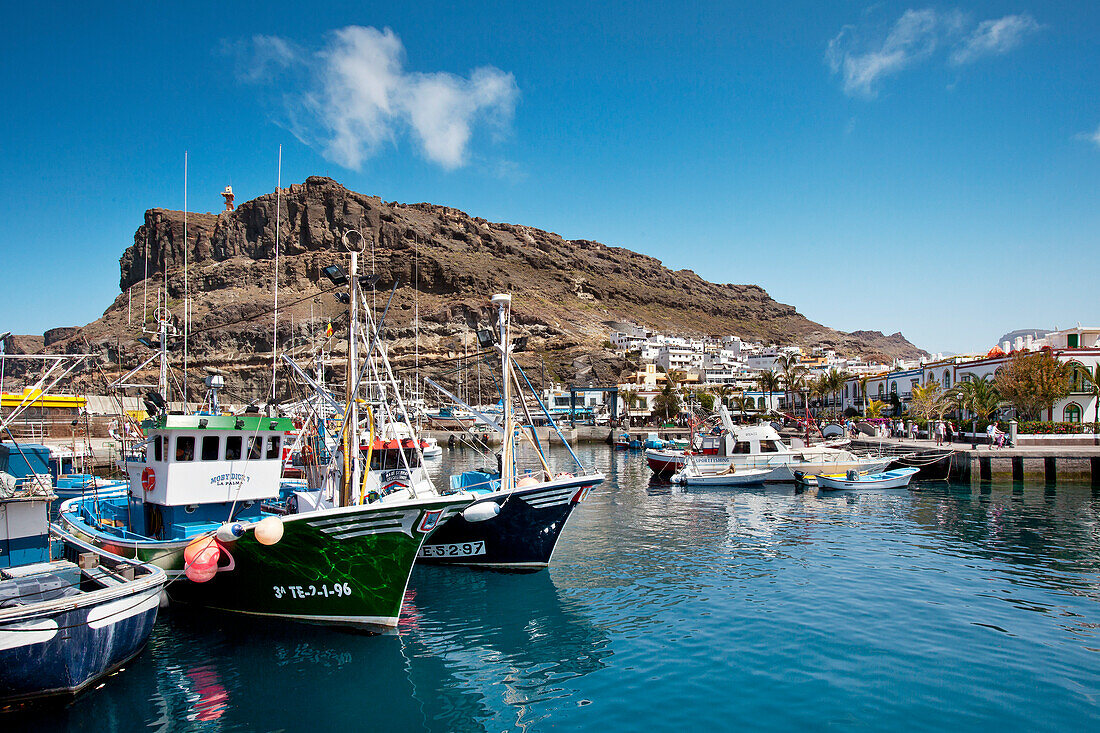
(445, 263)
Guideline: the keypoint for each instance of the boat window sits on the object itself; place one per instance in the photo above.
(255, 448)
(158, 450)
(768, 446)
(233, 448)
(741, 447)
(210, 447)
(273, 447)
(185, 448)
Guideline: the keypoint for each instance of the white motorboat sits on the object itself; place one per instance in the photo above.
(894, 479)
(760, 446)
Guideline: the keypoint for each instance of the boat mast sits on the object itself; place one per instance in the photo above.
(503, 302)
(353, 243)
(278, 226)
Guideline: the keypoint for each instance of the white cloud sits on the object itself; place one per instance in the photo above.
(863, 58)
(994, 37)
(1093, 137)
(357, 95)
(913, 37)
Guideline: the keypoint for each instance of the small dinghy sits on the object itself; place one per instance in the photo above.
(894, 479)
(692, 476)
(70, 613)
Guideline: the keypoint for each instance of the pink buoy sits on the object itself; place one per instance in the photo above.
(201, 559)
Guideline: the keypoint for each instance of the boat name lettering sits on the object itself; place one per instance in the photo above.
(229, 479)
(336, 590)
(393, 474)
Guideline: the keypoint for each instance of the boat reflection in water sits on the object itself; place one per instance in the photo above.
(495, 650)
(476, 651)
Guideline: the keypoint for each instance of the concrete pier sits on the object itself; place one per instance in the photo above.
(1048, 463)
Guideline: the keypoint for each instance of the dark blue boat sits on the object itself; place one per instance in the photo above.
(519, 513)
(69, 614)
(520, 535)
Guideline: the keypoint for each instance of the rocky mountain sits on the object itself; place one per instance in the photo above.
(445, 263)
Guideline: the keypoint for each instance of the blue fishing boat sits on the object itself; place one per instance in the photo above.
(70, 614)
(35, 464)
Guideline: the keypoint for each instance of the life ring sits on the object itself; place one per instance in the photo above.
(148, 479)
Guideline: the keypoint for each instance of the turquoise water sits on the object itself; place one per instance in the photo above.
(943, 607)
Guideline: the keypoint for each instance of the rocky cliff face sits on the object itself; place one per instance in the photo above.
(566, 292)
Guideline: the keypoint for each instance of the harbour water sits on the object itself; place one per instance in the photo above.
(938, 607)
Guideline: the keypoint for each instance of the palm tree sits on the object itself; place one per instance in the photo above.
(874, 409)
(667, 402)
(674, 377)
(819, 387)
(863, 392)
(768, 382)
(741, 402)
(722, 392)
(836, 378)
(792, 371)
(629, 396)
(797, 387)
(979, 397)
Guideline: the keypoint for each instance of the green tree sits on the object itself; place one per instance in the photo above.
(629, 397)
(722, 392)
(819, 387)
(742, 403)
(792, 372)
(1033, 382)
(874, 409)
(836, 378)
(978, 397)
(667, 402)
(930, 401)
(768, 382)
(863, 393)
(706, 400)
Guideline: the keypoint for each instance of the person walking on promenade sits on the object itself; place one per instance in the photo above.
(949, 432)
(991, 433)
(938, 430)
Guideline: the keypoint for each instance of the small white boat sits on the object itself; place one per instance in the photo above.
(692, 476)
(430, 448)
(894, 479)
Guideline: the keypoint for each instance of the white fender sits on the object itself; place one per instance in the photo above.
(481, 511)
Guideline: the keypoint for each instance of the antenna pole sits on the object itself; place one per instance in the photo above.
(275, 326)
(186, 289)
(507, 457)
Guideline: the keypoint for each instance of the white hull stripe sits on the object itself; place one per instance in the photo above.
(13, 636)
(549, 494)
(548, 499)
(111, 613)
(365, 532)
(372, 517)
(550, 502)
(362, 525)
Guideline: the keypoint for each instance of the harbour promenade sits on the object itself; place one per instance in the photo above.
(1048, 462)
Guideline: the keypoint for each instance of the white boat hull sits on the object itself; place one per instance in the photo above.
(781, 466)
(748, 477)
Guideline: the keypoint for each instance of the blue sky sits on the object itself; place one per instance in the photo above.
(931, 169)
